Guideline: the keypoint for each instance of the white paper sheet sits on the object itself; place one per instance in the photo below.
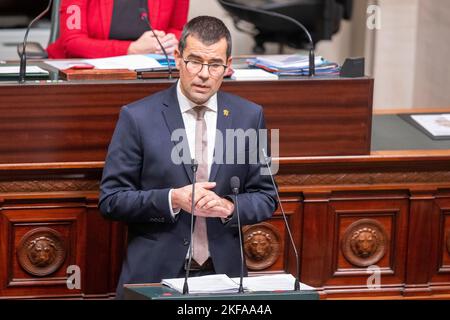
(63, 64)
(252, 75)
(217, 283)
(276, 282)
(131, 62)
(35, 70)
(436, 124)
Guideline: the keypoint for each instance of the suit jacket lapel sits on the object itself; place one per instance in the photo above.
(224, 122)
(174, 121)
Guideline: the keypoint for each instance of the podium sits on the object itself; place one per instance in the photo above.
(156, 291)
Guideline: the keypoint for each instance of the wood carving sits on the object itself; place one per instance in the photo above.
(261, 246)
(364, 243)
(41, 251)
(49, 185)
(362, 178)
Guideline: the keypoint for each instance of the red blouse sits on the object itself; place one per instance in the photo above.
(85, 25)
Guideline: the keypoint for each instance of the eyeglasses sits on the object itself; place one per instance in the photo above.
(215, 70)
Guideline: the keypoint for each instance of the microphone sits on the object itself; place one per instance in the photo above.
(144, 17)
(297, 261)
(234, 185)
(194, 167)
(312, 67)
(23, 55)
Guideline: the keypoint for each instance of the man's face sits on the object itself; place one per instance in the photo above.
(199, 87)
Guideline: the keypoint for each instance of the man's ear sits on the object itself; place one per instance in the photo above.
(178, 58)
(229, 61)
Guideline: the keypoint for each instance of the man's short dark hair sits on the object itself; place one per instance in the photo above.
(208, 30)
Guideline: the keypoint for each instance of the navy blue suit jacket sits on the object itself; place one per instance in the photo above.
(139, 173)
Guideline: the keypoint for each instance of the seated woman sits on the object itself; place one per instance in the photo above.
(105, 28)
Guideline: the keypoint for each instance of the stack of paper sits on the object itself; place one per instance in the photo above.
(287, 61)
(217, 283)
(285, 65)
(221, 283)
(252, 75)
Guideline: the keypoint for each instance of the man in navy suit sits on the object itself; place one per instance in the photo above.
(145, 185)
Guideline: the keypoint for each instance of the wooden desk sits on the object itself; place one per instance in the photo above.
(74, 121)
(53, 141)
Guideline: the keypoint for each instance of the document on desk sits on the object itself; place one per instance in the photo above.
(30, 71)
(438, 125)
(130, 62)
(287, 61)
(276, 282)
(216, 283)
(252, 75)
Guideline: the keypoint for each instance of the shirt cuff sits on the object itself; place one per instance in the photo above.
(173, 213)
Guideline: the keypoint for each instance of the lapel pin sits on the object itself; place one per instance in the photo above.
(226, 112)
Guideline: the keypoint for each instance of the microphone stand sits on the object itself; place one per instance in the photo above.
(144, 16)
(23, 55)
(241, 280)
(312, 66)
(194, 167)
(297, 282)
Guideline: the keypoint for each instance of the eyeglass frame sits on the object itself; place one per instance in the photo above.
(206, 64)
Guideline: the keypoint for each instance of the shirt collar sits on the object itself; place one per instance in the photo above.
(186, 104)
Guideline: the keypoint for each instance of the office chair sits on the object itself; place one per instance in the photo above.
(34, 49)
(321, 17)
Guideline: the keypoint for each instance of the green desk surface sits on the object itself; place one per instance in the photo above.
(159, 292)
(390, 132)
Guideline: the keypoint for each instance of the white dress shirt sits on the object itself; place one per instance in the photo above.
(189, 120)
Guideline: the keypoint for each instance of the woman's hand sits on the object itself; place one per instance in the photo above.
(169, 42)
(147, 43)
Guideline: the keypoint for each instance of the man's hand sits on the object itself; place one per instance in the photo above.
(207, 202)
(211, 205)
(181, 198)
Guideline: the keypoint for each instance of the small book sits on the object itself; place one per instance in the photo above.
(97, 74)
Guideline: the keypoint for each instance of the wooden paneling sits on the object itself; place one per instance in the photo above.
(321, 205)
(324, 244)
(72, 122)
(391, 215)
(407, 194)
(285, 252)
(440, 266)
(23, 219)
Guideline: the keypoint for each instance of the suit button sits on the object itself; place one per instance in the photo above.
(186, 242)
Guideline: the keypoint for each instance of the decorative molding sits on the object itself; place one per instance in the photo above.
(283, 180)
(41, 251)
(363, 178)
(261, 246)
(364, 243)
(49, 185)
